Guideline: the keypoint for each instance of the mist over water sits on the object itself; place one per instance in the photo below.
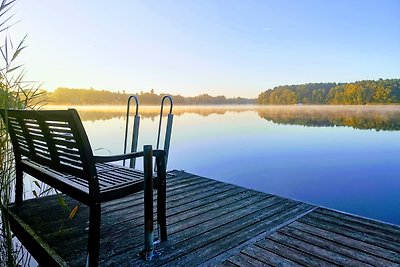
(341, 157)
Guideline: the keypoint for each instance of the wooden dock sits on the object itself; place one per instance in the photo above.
(210, 223)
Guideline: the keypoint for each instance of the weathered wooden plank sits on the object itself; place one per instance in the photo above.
(262, 235)
(178, 204)
(129, 213)
(224, 204)
(173, 195)
(317, 221)
(312, 249)
(133, 226)
(227, 214)
(264, 224)
(361, 227)
(171, 186)
(292, 254)
(227, 264)
(34, 217)
(190, 239)
(182, 198)
(200, 224)
(242, 259)
(227, 236)
(182, 176)
(237, 216)
(384, 256)
(32, 241)
(136, 240)
(189, 218)
(388, 228)
(267, 257)
(173, 189)
(334, 247)
(206, 197)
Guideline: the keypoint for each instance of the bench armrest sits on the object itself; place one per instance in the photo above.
(102, 159)
(99, 159)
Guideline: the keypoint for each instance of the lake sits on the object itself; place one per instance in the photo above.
(342, 157)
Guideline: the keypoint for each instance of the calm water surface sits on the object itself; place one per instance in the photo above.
(346, 158)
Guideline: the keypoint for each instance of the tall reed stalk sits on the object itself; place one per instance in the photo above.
(14, 94)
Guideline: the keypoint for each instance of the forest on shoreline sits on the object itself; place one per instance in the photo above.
(356, 93)
(69, 96)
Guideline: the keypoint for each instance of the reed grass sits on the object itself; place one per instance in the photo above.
(15, 93)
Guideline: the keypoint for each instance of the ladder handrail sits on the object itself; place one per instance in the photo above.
(135, 133)
(169, 125)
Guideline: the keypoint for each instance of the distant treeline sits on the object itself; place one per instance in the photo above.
(68, 96)
(357, 93)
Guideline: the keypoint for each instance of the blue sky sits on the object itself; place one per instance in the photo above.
(235, 48)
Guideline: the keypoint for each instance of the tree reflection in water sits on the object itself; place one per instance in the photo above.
(380, 118)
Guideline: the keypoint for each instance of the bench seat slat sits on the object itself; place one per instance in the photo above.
(41, 142)
(80, 181)
(57, 180)
(129, 179)
(62, 153)
(64, 137)
(73, 162)
(42, 154)
(59, 129)
(66, 149)
(40, 146)
(39, 138)
(113, 176)
(65, 143)
(58, 124)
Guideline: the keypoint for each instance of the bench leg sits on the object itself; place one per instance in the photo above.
(94, 236)
(161, 197)
(19, 185)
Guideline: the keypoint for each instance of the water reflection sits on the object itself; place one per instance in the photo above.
(380, 118)
(94, 113)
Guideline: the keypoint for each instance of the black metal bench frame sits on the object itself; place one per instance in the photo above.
(52, 146)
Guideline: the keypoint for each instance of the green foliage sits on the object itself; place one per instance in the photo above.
(68, 96)
(357, 93)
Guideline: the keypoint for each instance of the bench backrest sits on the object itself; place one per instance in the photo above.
(53, 138)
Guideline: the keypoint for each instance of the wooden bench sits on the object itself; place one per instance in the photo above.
(52, 146)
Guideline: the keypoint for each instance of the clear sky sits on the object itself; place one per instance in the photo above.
(235, 48)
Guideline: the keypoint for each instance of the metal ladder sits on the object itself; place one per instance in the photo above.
(168, 130)
(135, 132)
(136, 122)
(148, 253)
